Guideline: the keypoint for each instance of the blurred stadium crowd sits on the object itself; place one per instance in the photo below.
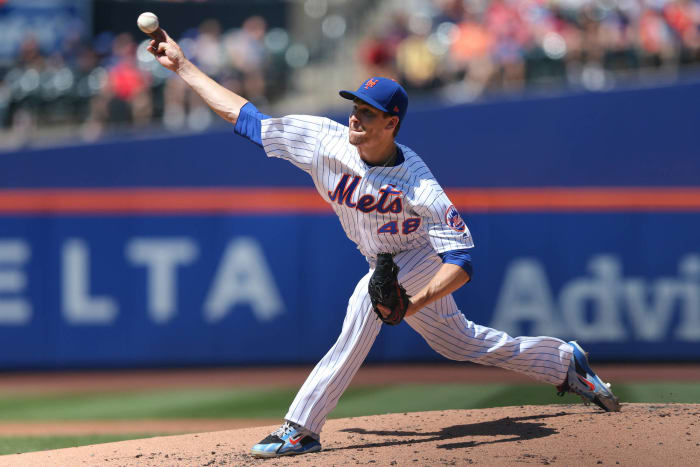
(507, 45)
(462, 49)
(114, 82)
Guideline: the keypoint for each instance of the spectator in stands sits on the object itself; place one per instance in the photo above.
(378, 52)
(509, 36)
(125, 98)
(416, 64)
(472, 51)
(655, 39)
(683, 17)
(246, 53)
(182, 107)
(23, 83)
(378, 56)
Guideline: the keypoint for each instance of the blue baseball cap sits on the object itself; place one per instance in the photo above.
(382, 93)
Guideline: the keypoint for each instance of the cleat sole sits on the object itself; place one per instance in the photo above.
(608, 404)
(270, 454)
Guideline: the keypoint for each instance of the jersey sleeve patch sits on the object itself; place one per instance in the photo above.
(454, 220)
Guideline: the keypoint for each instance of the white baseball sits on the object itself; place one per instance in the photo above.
(147, 22)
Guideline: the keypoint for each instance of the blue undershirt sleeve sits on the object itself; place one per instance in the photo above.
(461, 258)
(248, 123)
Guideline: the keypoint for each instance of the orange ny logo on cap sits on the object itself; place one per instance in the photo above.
(370, 83)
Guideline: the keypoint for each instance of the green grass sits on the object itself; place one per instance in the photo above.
(414, 398)
(272, 403)
(191, 403)
(20, 444)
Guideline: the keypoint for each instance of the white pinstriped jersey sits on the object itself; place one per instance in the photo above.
(381, 209)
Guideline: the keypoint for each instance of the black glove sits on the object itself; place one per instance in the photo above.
(384, 289)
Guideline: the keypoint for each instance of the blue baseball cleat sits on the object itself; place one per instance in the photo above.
(288, 440)
(583, 381)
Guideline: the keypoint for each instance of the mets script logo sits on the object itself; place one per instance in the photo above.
(370, 83)
(389, 198)
(454, 220)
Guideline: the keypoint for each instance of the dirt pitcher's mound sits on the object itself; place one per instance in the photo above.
(642, 434)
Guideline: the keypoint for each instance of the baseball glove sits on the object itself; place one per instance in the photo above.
(384, 289)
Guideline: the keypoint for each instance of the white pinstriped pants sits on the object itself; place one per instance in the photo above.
(441, 324)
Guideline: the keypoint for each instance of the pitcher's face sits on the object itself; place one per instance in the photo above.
(369, 125)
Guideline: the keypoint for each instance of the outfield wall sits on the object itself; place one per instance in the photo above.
(199, 250)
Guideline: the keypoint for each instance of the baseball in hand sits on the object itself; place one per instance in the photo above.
(148, 22)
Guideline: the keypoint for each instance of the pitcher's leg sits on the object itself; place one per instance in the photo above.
(449, 333)
(332, 375)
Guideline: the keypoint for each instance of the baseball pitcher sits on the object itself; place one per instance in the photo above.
(414, 239)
